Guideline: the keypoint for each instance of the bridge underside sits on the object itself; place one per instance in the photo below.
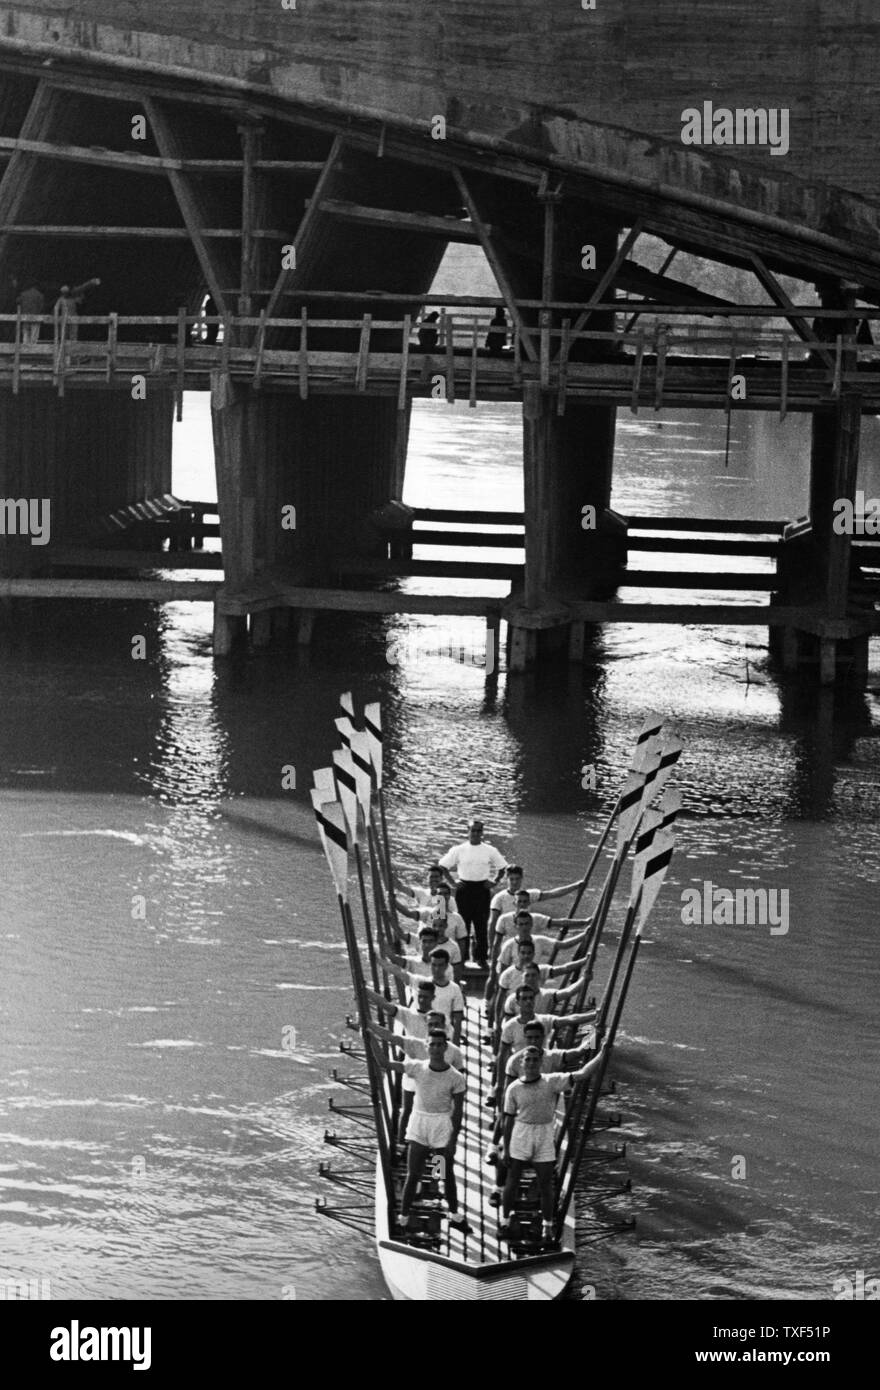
(166, 189)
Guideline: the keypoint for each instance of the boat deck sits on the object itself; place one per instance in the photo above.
(542, 1270)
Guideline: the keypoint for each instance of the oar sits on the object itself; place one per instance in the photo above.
(653, 871)
(347, 786)
(647, 738)
(331, 823)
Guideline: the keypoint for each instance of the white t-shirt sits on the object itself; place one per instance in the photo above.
(506, 923)
(455, 927)
(448, 1000)
(544, 946)
(534, 1102)
(505, 901)
(426, 897)
(545, 1002)
(513, 1033)
(512, 977)
(411, 1021)
(434, 1089)
(473, 863)
(553, 1059)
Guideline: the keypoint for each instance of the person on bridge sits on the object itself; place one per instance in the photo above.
(479, 867)
(31, 302)
(67, 307)
(496, 338)
(428, 333)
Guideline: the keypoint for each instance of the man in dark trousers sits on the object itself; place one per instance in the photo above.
(479, 866)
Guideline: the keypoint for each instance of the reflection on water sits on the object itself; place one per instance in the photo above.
(166, 915)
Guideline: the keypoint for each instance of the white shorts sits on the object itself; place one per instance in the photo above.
(434, 1131)
(532, 1143)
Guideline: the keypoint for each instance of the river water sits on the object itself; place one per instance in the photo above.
(175, 989)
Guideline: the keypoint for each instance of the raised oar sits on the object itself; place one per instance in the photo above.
(363, 769)
(373, 731)
(645, 742)
(653, 871)
(654, 823)
(347, 790)
(330, 818)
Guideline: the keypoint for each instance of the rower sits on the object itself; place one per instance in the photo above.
(430, 935)
(526, 971)
(552, 1059)
(478, 865)
(424, 896)
(448, 998)
(415, 1044)
(513, 1033)
(546, 947)
(434, 1123)
(529, 1110)
(505, 901)
(420, 962)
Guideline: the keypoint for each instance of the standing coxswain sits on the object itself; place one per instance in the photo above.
(478, 866)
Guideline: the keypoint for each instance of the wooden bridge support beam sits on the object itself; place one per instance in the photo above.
(568, 463)
(297, 481)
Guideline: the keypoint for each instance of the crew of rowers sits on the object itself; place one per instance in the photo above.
(523, 1009)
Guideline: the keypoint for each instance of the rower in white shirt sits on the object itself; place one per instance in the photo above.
(429, 936)
(423, 896)
(448, 998)
(505, 901)
(546, 947)
(478, 866)
(526, 971)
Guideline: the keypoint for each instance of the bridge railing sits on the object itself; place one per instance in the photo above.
(459, 345)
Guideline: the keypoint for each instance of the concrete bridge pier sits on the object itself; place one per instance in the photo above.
(572, 546)
(297, 480)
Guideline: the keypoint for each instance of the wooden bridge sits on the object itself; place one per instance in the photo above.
(314, 199)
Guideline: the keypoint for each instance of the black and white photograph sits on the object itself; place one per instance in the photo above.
(439, 665)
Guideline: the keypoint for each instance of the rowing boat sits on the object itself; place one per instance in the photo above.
(431, 1258)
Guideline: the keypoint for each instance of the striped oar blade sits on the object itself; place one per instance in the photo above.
(334, 840)
(629, 807)
(670, 752)
(360, 756)
(325, 781)
(657, 858)
(647, 741)
(373, 729)
(346, 782)
(345, 729)
(346, 706)
(653, 822)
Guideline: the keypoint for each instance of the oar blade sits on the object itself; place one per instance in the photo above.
(373, 730)
(334, 840)
(325, 781)
(648, 739)
(657, 860)
(345, 729)
(629, 807)
(346, 783)
(363, 771)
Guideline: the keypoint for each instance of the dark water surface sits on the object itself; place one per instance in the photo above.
(165, 915)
